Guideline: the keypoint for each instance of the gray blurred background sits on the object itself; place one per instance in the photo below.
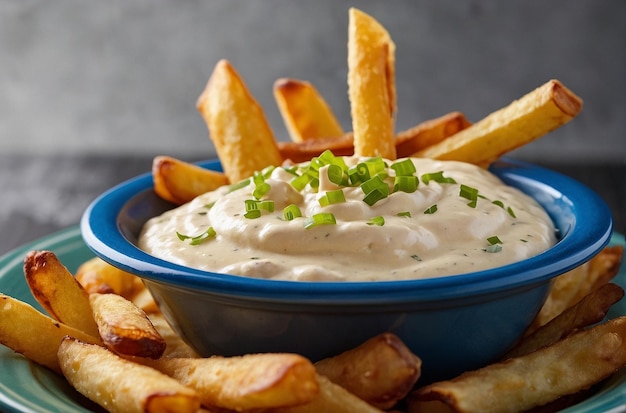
(122, 77)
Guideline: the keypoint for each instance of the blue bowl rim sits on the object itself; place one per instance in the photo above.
(590, 232)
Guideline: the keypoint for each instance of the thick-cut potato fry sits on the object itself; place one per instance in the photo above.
(119, 385)
(569, 288)
(237, 125)
(56, 289)
(179, 182)
(98, 276)
(305, 112)
(518, 384)
(380, 371)
(371, 86)
(589, 310)
(332, 398)
(144, 300)
(124, 327)
(429, 133)
(33, 334)
(407, 142)
(532, 116)
(253, 381)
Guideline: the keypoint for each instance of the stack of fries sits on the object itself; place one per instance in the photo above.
(106, 336)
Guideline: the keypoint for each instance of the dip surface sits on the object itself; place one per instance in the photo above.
(459, 219)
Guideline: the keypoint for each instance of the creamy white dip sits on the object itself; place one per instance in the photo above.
(440, 229)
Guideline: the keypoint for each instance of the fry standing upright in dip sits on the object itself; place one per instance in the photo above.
(354, 219)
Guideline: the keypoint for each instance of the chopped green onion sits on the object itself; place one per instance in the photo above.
(198, 239)
(372, 184)
(494, 248)
(498, 203)
(437, 177)
(405, 167)
(405, 183)
(266, 205)
(253, 214)
(470, 193)
(301, 181)
(359, 173)
(332, 197)
(404, 214)
(323, 218)
(291, 212)
(239, 185)
(336, 175)
(261, 190)
(494, 240)
(511, 212)
(251, 204)
(379, 220)
(431, 209)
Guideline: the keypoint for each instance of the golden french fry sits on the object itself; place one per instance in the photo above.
(56, 289)
(380, 371)
(175, 345)
(305, 112)
(569, 288)
(332, 398)
(532, 116)
(179, 182)
(125, 328)
(429, 133)
(518, 384)
(589, 310)
(33, 334)
(98, 276)
(119, 385)
(407, 142)
(371, 86)
(144, 300)
(237, 125)
(253, 381)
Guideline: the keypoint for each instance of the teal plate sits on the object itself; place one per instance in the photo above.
(27, 387)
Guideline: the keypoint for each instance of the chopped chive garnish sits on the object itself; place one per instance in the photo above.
(523, 240)
(404, 214)
(511, 212)
(494, 240)
(416, 257)
(498, 203)
(198, 239)
(405, 183)
(470, 193)
(376, 195)
(323, 218)
(405, 167)
(291, 211)
(437, 177)
(336, 175)
(332, 197)
(379, 220)
(239, 185)
(431, 209)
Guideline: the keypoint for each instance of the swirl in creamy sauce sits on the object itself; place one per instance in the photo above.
(456, 238)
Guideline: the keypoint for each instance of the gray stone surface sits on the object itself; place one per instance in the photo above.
(81, 77)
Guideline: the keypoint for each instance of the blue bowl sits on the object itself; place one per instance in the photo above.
(452, 323)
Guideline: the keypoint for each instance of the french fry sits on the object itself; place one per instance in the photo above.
(569, 288)
(304, 111)
(119, 385)
(125, 328)
(237, 125)
(33, 334)
(518, 384)
(144, 300)
(407, 142)
(589, 310)
(332, 398)
(532, 116)
(253, 381)
(430, 132)
(371, 86)
(380, 371)
(56, 289)
(98, 276)
(179, 182)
